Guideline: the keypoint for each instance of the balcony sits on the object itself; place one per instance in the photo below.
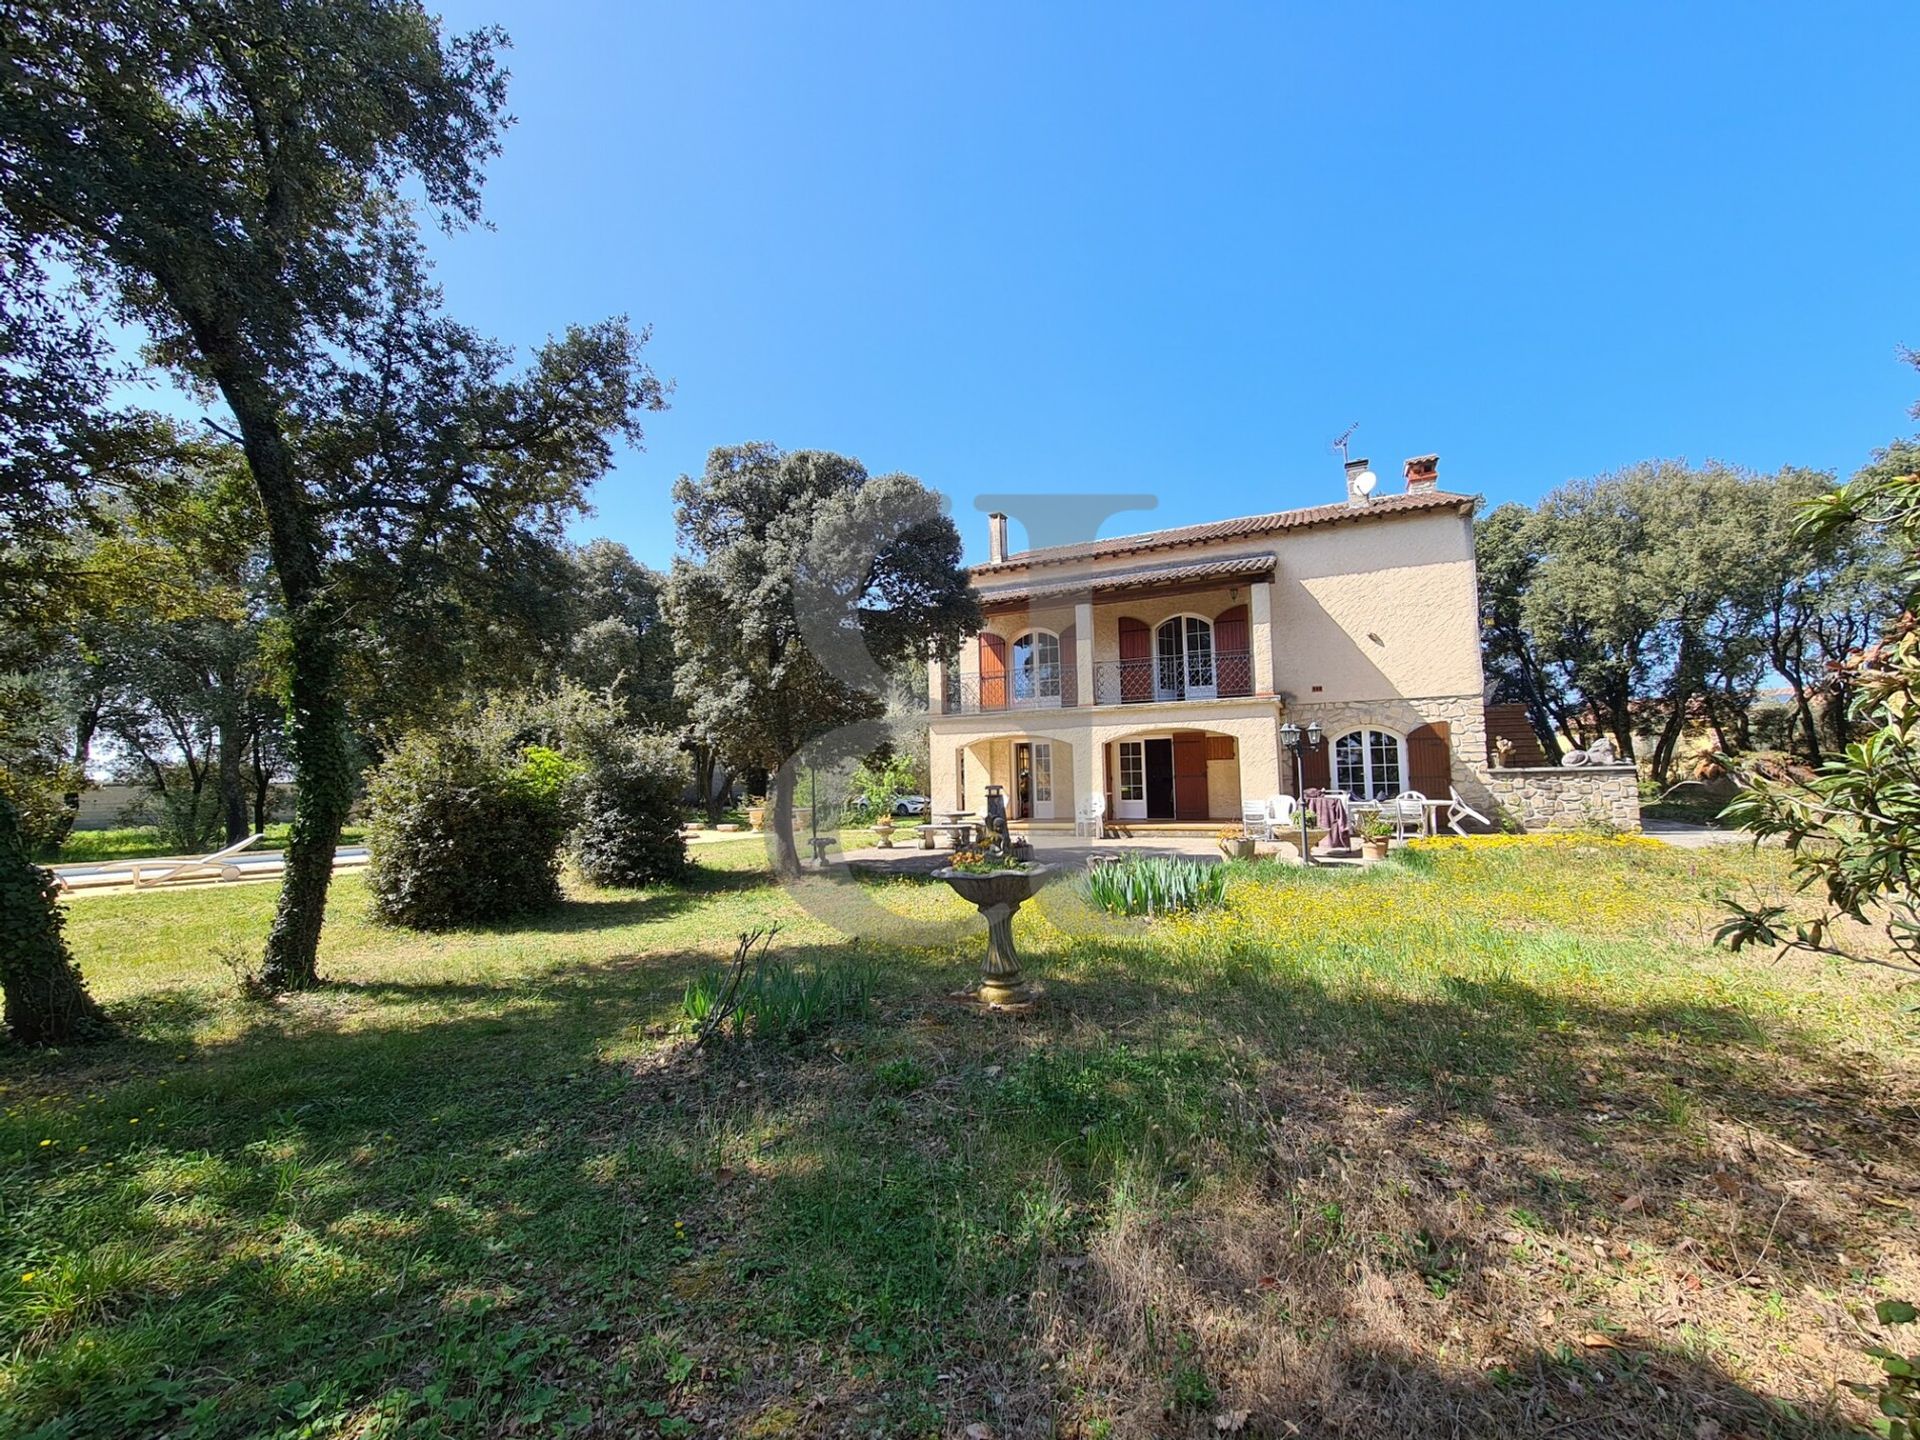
(1226, 674)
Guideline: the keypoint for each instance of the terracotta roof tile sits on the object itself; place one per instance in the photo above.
(1381, 507)
(1179, 573)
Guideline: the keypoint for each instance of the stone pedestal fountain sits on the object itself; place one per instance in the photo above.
(1002, 882)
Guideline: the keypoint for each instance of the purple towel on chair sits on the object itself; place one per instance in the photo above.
(1330, 811)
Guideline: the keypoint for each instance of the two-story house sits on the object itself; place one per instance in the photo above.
(1158, 669)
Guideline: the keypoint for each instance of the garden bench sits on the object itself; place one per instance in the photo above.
(960, 832)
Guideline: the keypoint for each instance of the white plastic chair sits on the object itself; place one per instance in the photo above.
(1280, 810)
(1255, 821)
(1459, 810)
(1090, 818)
(1409, 805)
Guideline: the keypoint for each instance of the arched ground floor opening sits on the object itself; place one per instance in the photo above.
(1137, 770)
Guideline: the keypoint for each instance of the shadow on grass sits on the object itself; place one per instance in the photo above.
(449, 1220)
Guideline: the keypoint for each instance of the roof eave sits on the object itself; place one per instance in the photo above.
(1388, 508)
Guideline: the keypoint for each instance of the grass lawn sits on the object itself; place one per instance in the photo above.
(1487, 1141)
(139, 842)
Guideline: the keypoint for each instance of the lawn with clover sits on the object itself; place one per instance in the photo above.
(1488, 1140)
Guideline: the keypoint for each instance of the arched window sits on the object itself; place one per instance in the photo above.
(1183, 659)
(1370, 764)
(1036, 668)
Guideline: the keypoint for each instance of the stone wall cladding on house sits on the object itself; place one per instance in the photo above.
(1464, 716)
(1552, 797)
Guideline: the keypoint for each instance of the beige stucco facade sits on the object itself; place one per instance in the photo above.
(1364, 617)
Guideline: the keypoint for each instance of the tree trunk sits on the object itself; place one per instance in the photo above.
(85, 726)
(47, 1002)
(1740, 708)
(1803, 708)
(1837, 718)
(317, 719)
(786, 855)
(323, 769)
(1669, 741)
(1620, 718)
(233, 790)
(704, 762)
(1714, 720)
(262, 780)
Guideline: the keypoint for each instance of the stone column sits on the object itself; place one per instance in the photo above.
(1260, 638)
(937, 687)
(1083, 651)
(1089, 772)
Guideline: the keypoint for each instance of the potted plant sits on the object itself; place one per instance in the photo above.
(1376, 833)
(876, 788)
(1235, 843)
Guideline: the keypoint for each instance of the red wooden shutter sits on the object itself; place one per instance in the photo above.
(993, 671)
(1232, 665)
(1136, 659)
(1219, 747)
(1315, 765)
(1189, 775)
(1069, 670)
(1430, 760)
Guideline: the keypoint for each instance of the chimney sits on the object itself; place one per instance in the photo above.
(1423, 474)
(996, 538)
(1360, 483)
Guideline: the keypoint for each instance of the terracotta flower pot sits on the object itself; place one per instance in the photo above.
(757, 816)
(1372, 848)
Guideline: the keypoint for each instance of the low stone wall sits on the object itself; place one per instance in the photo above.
(1565, 797)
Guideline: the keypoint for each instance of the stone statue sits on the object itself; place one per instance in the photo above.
(994, 828)
(1502, 753)
(1601, 752)
(1573, 759)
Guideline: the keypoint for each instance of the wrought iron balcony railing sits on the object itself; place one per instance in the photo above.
(1168, 679)
(1171, 678)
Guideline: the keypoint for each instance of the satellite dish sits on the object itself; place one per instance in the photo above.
(1364, 482)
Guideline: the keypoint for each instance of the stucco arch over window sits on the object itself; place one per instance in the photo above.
(1370, 762)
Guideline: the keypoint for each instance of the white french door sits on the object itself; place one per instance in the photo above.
(1183, 667)
(1130, 790)
(1042, 780)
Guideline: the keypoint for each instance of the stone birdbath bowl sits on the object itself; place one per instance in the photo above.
(997, 894)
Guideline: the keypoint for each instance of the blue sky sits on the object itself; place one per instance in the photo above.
(1178, 249)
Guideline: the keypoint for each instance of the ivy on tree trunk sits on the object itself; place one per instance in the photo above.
(47, 1001)
(317, 739)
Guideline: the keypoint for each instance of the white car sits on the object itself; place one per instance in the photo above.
(911, 804)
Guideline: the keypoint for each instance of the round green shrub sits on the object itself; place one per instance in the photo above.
(460, 834)
(629, 832)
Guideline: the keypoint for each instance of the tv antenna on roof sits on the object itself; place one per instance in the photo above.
(1340, 443)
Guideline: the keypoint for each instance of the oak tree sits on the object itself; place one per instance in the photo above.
(244, 180)
(804, 579)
